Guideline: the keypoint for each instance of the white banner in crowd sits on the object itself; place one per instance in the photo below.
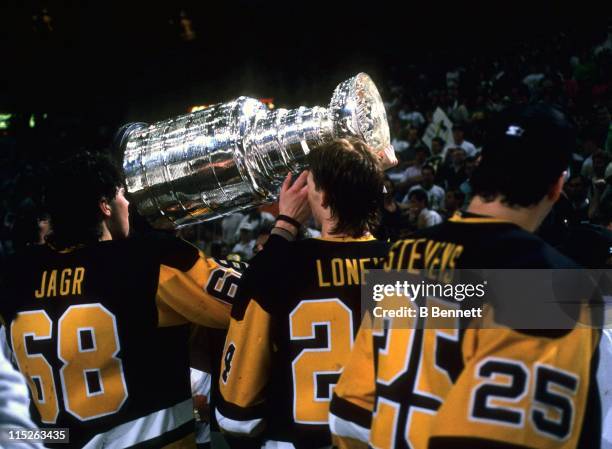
(441, 126)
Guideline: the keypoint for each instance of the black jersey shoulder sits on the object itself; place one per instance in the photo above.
(512, 258)
(166, 249)
(124, 268)
(497, 245)
(283, 265)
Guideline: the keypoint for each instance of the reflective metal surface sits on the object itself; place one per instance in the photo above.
(235, 155)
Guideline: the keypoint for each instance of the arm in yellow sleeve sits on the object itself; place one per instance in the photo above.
(200, 295)
(245, 371)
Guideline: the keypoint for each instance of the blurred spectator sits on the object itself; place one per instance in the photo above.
(420, 214)
(589, 147)
(392, 220)
(454, 201)
(533, 79)
(398, 137)
(246, 242)
(258, 219)
(436, 159)
(412, 175)
(600, 162)
(435, 193)
(229, 226)
(408, 155)
(453, 77)
(457, 111)
(411, 116)
(468, 170)
(460, 142)
(606, 123)
(30, 228)
(495, 102)
(577, 194)
(454, 172)
(219, 250)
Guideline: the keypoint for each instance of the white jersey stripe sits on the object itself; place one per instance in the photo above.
(344, 428)
(237, 427)
(145, 428)
(272, 444)
(604, 379)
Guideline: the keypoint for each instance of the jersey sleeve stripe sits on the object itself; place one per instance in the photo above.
(348, 411)
(274, 444)
(347, 429)
(242, 427)
(472, 443)
(240, 413)
(146, 427)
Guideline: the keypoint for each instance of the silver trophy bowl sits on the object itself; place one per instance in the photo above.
(234, 156)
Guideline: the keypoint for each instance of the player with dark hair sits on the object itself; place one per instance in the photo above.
(299, 303)
(98, 322)
(476, 386)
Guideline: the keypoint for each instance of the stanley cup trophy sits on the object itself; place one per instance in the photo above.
(234, 156)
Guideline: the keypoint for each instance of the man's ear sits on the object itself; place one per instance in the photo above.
(324, 200)
(555, 190)
(105, 207)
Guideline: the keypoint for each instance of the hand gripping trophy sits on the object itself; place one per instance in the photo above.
(234, 156)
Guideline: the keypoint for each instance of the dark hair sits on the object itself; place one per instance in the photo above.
(351, 177)
(73, 193)
(419, 195)
(582, 179)
(459, 195)
(428, 167)
(440, 140)
(389, 186)
(526, 149)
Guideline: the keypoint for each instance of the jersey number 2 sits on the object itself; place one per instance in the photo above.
(316, 369)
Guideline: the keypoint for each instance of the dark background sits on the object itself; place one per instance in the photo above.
(73, 72)
(110, 62)
(69, 83)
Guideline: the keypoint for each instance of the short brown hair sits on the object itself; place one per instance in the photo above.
(351, 176)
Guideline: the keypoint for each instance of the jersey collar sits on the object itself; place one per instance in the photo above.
(366, 238)
(469, 217)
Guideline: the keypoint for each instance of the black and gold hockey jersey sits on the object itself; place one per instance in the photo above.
(291, 332)
(470, 386)
(101, 334)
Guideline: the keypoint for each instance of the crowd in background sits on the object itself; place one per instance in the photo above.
(438, 112)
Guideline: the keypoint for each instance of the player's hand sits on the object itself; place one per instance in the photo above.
(293, 201)
(387, 157)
